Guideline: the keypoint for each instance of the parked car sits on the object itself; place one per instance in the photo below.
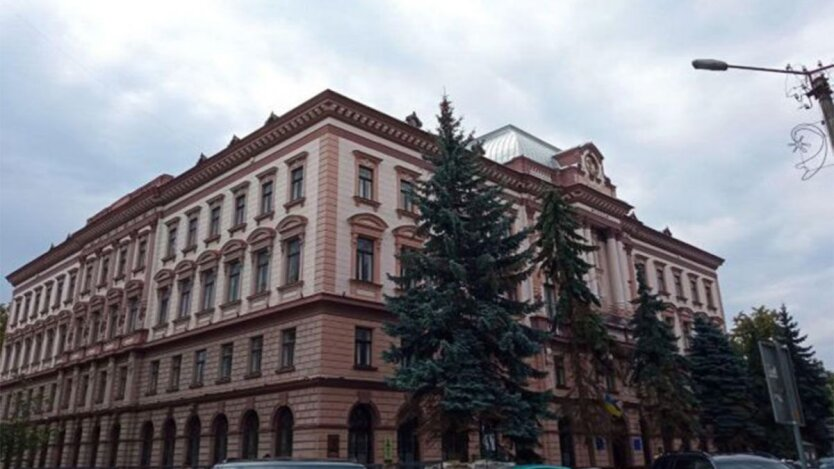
(826, 463)
(700, 460)
(285, 464)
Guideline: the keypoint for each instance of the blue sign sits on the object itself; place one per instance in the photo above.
(637, 443)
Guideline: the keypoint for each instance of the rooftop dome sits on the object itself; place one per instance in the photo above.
(505, 143)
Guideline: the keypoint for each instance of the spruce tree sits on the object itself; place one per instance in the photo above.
(719, 380)
(659, 373)
(811, 382)
(463, 351)
(560, 258)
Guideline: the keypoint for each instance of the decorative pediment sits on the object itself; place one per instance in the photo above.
(114, 294)
(406, 231)
(368, 221)
(208, 257)
(80, 307)
(234, 246)
(134, 287)
(261, 234)
(96, 301)
(291, 223)
(185, 267)
(164, 276)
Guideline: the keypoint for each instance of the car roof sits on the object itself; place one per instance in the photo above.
(741, 457)
(288, 462)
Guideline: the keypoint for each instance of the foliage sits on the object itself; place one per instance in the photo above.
(719, 380)
(560, 257)
(18, 434)
(659, 373)
(463, 351)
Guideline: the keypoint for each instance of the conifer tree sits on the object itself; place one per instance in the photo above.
(659, 373)
(811, 382)
(463, 351)
(719, 380)
(560, 257)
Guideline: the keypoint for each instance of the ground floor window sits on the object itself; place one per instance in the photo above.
(249, 443)
(284, 423)
(169, 435)
(408, 445)
(360, 435)
(147, 445)
(192, 430)
(220, 429)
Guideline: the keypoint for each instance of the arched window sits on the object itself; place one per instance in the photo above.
(408, 446)
(147, 444)
(192, 431)
(283, 432)
(169, 435)
(94, 437)
(76, 445)
(115, 434)
(360, 435)
(220, 430)
(249, 443)
(44, 449)
(59, 447)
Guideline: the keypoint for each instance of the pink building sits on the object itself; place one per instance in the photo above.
(235, 310)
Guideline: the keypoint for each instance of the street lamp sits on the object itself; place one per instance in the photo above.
(818, 87)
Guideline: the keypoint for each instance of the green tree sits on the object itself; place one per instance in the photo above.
(463, 351)
(19, 435)
(719, 380)
(588, 348)
(659, 373)
(749, 329)
(811, 382)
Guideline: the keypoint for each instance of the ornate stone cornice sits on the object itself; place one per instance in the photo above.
(639, 231)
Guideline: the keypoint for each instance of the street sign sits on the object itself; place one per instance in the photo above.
(781, 384)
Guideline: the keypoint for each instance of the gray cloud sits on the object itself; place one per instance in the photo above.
(96, 98)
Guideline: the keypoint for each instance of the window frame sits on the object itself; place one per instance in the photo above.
(363, 349)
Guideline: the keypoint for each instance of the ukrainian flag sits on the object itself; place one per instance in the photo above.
(612, 406)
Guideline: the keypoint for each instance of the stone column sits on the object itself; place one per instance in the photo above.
(590, 258)
(615, 271)
(625, 272)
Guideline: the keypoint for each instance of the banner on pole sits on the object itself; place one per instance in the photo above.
(781, 384)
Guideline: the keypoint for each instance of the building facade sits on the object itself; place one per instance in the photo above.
(236, 310)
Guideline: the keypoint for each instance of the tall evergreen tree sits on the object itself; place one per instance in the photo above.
(719, 380)
(749, 329)
(463, 351)
(811, 382)
(560, 257)
(659, 373)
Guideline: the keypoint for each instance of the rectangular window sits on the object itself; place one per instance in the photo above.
(141, 253)
(66, 393)
(297, 183)
(661, 279)
(62, 338)
(50, 400)
(559, 372)
(366, 183)
(678, 284)
(209, 278)
(365, 259)
(36, 355)
(288, 348)
(50, 344)
(362, 355)
(256, 345)
(293, 250)
(46, 299)
(550, 300)
(214, 220)
(26, 307)
(153, 377)
(88, 277)
(101, 387)
(199, 367)
(191, 240)
(171, 248)
(185, 298)
(121, 384)
(233, 283)
(406, 195)
(95, 326)
(59, 292)
(226, 351)
(240, 209)
(610, 382)
(693, 288)
(37, 303)
(176, 371)
(708, 295)
(105, 271)
(113, 319)
(262, 271)
(164, 303)
(122, 262)
(132, 314)
(81, 401)
(266, 197)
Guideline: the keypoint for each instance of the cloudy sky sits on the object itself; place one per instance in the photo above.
(96, 98)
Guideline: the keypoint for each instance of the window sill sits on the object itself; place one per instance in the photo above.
(355, 282)
(169, 258)
(562, 387)
(359, 200)
(299, 201)
(712, 308)
(119, 278)
(181, 319)
(407, 214)
(252, 375)
(172, 389)
(697, 304)
(365, 368)
(230, 305)
(211, 239)
(258, 296)
(195, 385)
(265, 216)
(291, 286)
(160, 326)
(239, 227)
(223, 380)
(189, 249)
(150, 393)
(681, 299)
(139, 269)
(204, 313)
(285, 369)
(85, 291)
(101, 285)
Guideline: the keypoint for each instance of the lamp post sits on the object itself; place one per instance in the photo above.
(819, 88)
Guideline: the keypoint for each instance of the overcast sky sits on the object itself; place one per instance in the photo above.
(97, 98)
